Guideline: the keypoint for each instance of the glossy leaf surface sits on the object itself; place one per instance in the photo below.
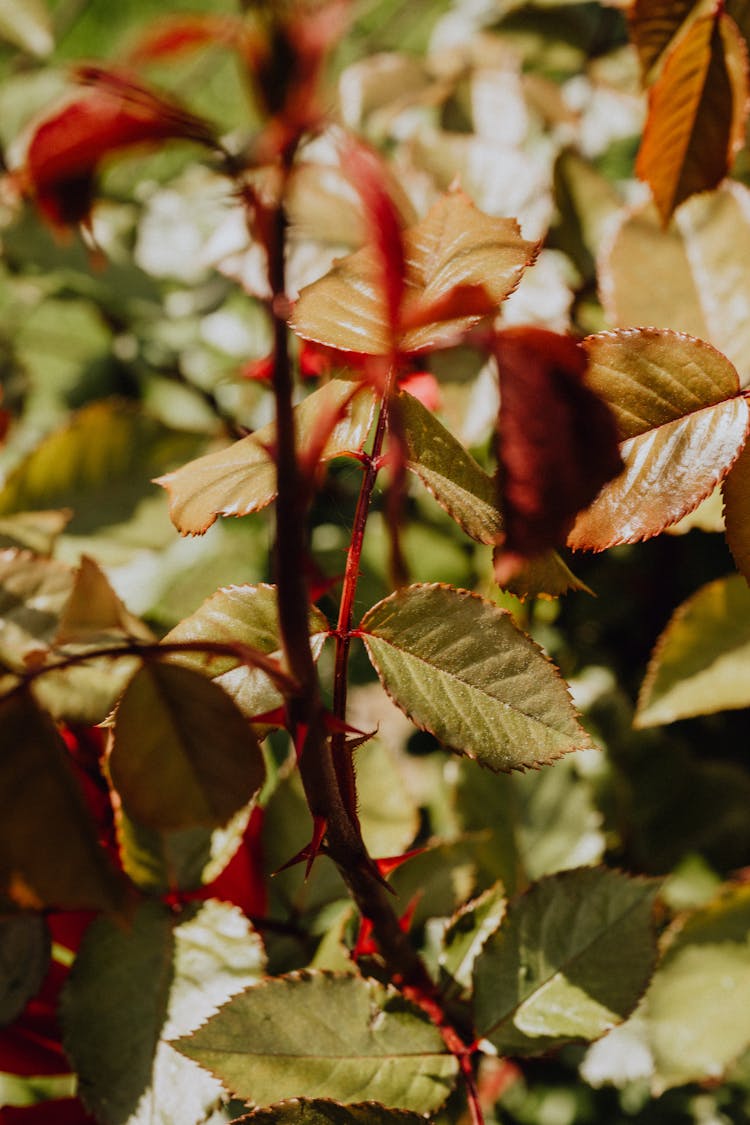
(369, 1044)
(175, 724)
(677, 407)
(455, 479)
(701, 663)
(569, 961)
(49, 849)
(459, 667)
(242, 478)
(696, 114)
(460, 266)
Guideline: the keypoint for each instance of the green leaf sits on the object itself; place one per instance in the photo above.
(242, 478)
(182, 754)
(24, 960)
(460, 265)
(100, 464)
(248, 614)
(33, 593)
(455, 479)
(162, 976)
(182, 860)
(49, 849)
(112, 1045)
(388, 814)
(696, 1007)
(316, 1035)
(458, 666)
(678, 409)
(570, 961)
(27, 26)
(701, 663)
(319, 1111)
(94, 613)
(216, 954)
(546, 576)
(465, 936)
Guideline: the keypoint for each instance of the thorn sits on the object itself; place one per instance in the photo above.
(311, 851)
(388, 864)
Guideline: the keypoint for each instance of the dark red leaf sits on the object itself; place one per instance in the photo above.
(557, 442)
(67, 149)
(383, 224)
(59, 1111)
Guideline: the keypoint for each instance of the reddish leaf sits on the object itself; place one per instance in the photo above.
(67, 149)
(384, 226)
(697, 111)
(653, 25)
(184, 33)
(558, 441)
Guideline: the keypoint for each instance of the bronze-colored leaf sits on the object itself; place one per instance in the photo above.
(654, 24)
(678, 407)
(460, 265)
(736, 491)
(697, 112)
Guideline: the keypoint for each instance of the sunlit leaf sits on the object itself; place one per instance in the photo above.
(459, 667)
(460, 265)
(24, 960)
(33, 593)
(557, 441)
(677, 407)
(174, 724)
(544, 576)
(248, 614)
(49, 849)
(319, 1111)
(697, 1016)
(455, 479)
(162, 975)
(100, 464)
(697, 276)
(653, 25)
(36, 531)
(160, 862)
(66, 150)
(697, 110)
(94, 612)
(570, 960)
(369, 1044)
(701, 662)
(388, 813)
(242, 478)
(465, 936)
(736, 492)
(112, 1045)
